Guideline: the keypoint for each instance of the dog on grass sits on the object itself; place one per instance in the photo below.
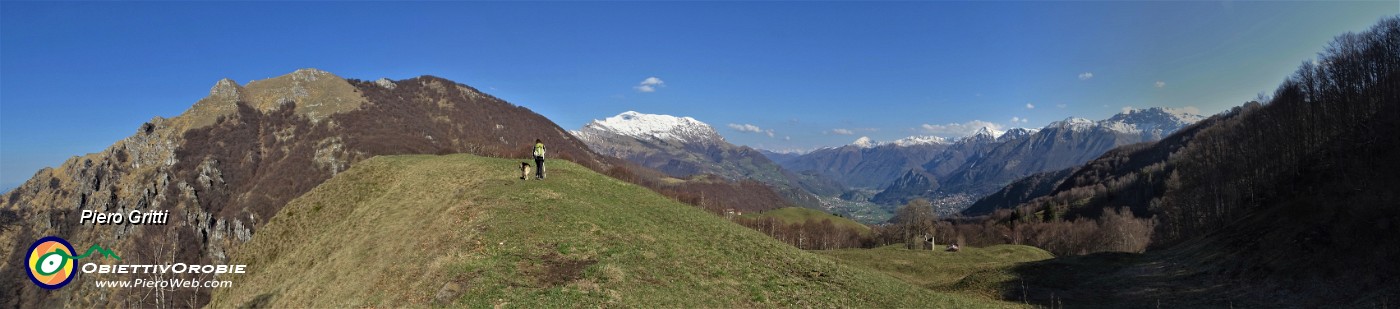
(524, 171)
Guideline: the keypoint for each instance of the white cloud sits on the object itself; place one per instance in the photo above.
(769, 132)
(1191, 109)
(1015, 120)
(1061, 106)
(746, 128)
(787, 138)
(650, 84)
(1086, 75)
(1159, 84)
(959, 129)
(841, 132)
(1030, 106)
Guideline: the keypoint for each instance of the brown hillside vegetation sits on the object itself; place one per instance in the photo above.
(235, 158)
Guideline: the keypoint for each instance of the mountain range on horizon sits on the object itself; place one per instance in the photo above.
(951, 172)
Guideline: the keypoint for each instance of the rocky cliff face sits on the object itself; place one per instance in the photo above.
(229, 163)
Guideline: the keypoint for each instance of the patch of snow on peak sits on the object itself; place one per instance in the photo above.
(1073, 123)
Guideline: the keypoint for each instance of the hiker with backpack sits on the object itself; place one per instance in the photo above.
(539, 159)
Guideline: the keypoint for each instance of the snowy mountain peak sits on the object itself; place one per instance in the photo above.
(920, 140)
(664, 127)
(1016, 133)
(1156, 121)
(983, 135)
(989, 132)
(1151, 123)
(1159, 115)
(863, 142)
(1073, 123)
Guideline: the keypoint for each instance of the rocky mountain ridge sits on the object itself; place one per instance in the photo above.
(228, 164)
(955, 172)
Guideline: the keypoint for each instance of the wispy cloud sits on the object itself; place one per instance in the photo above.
(1015, 120)
(959, 129)
(841, 132)
(746, 128)
(1030, 106)
(1061, 106)
(1191, 109)
(1086, 75)
(650, 84)
(1159, 84)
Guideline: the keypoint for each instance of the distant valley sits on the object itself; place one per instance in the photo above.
(867, 180)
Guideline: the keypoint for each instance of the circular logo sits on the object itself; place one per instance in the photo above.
(50, 262)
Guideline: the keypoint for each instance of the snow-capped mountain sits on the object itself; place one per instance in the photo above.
(683, 146)
(954, 172)
(987, 160)
(863, 142)
(982, 135)
(1151, 123)
(652, 126)
(920, 140)
(1073, 124)
(1016, 133)
(915, 140)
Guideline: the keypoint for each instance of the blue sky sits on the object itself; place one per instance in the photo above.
(77, 76)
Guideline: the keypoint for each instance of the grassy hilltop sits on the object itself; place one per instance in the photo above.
(462, 230)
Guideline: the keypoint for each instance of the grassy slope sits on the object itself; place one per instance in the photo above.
(406, 230)
(792, 215)
(979, 271)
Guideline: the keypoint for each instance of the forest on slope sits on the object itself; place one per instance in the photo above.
(1293, 193)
